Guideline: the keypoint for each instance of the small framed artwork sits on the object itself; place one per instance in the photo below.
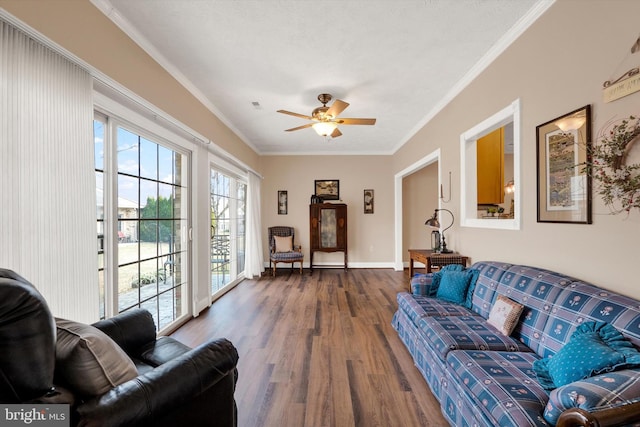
(327, 189)
(564, 187)
(283, 202)
(368, 201)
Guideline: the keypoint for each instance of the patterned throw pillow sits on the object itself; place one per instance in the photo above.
(594, 348)
(284, 244)
(453, 286)
(504, 314)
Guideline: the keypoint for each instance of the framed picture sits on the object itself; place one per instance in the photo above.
(564, 189)
(368, 201)
(327, 189)
(283, 202)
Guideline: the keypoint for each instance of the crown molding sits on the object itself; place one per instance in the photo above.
(494, 52)
(112, 13)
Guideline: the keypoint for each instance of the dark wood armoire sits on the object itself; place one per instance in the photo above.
(328, 229)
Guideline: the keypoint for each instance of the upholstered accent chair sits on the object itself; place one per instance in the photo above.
(282, 248)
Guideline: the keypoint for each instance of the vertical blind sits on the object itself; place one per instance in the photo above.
(47, 182)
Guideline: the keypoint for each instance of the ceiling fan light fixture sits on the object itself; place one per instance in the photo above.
(324, 128)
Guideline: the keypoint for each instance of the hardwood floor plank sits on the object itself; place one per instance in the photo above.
(319, 350)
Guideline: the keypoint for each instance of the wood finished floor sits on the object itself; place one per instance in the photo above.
(319, 350)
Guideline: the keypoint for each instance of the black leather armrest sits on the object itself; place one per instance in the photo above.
(164, 389)
(130, 330)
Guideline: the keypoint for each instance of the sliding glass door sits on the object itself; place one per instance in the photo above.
(228, 223)
(142, 195)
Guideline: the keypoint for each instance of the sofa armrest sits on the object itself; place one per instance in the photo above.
(166, 389)
(624, 414)
(592, 395)
(422, 284)
(130, 330)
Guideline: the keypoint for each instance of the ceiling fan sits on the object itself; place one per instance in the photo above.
(325, 119)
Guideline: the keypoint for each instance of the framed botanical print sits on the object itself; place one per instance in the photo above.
(564, 187)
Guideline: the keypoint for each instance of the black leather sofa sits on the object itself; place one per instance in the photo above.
(174, 384)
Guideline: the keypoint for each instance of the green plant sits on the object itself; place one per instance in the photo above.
(148, 278)
(617, 183)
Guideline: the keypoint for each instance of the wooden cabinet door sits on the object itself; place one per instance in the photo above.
(490, 168)
(328, 229)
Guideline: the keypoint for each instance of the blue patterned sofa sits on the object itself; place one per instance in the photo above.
(484, 378)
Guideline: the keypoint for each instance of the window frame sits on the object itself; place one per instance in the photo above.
(468, 168)
(114, 114)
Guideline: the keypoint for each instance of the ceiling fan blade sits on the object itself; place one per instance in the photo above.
(357, 121)
(308, 125)
(336, 108)
(336, 133)
(302, 116)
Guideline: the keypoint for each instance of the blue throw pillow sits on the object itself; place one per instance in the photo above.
(594, 348)
(454, 285)
(472, 285)
(438, 275)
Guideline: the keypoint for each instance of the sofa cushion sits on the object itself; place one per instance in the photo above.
(612, 388)
(422, 284)
(537, 289)
(484, 291)
(417, 307)
(594, 348)
(448, 333)
(504, 314)
(453, 286)
(88, 360)
(501, 386)
(581, 302)
(468, 302)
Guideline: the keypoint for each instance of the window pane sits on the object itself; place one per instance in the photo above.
(228, 206)
(148, 159)
(165, 165)
(98, 142)
(98, 147)
(127, 152)
(128, 190)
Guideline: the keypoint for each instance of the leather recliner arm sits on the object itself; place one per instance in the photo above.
(162, 390)
(131, 329)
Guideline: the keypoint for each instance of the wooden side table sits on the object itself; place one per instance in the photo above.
(431, 259)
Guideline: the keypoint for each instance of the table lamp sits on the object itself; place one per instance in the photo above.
(434, 223)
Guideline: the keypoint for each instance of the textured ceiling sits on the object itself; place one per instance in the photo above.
(398, 61)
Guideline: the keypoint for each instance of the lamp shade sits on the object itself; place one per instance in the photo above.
(433, 221)
(324, 128)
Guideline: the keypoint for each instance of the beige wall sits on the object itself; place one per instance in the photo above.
(370, 236)
(419, 200)
(555, 67)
